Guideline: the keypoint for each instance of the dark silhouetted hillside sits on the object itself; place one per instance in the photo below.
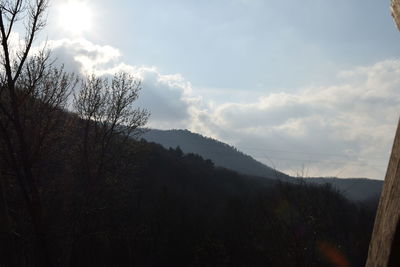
(159, 207)
(220, 153)
(229, 157)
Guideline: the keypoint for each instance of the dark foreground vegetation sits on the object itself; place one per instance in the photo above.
(155, 207)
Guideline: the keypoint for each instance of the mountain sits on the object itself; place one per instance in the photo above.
(151, 206)
(224, 155)
(221, 154)
(195, 214)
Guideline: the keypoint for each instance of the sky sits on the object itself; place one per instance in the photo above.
(308, 87)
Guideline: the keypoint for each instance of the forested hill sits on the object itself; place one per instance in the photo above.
(221, 154)
(224, 155)
(159, 207)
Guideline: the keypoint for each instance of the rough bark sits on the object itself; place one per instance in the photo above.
(384, 248)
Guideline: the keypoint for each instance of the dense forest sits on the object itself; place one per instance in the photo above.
(158, 207)
(79, 188)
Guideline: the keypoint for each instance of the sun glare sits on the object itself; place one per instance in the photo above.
(75, 17)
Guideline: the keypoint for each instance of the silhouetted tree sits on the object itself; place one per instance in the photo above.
(109, 118)
(32, 95)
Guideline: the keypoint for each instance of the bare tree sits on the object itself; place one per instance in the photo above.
(109, 115)
(109, 118)
(33, 94)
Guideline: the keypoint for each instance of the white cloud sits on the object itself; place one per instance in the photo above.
(344, 129)
(80, 55)
(168, 97)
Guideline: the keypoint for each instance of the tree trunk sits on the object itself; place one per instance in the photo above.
(36, 212)
(41, 248)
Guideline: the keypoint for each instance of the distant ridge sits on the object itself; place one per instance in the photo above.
(221, 154)
(224, 155)
(358, 189)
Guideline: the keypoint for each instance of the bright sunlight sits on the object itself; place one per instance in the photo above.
(75, 17)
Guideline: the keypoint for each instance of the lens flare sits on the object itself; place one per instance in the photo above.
(332, 254)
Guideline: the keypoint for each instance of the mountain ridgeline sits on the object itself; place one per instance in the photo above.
(224, 155)
(221, 154)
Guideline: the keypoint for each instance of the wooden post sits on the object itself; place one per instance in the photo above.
(395, 7)
(384, 250)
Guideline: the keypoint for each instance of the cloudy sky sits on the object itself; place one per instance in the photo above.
(309, 87)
